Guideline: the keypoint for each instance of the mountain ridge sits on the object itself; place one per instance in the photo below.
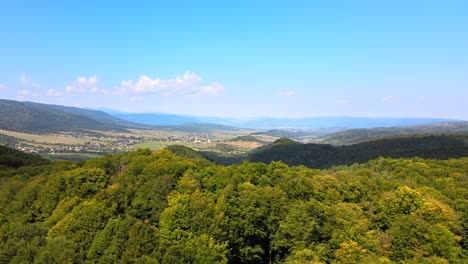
(43, 118)
(353, 136)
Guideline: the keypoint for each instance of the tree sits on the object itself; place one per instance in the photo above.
(414, 237)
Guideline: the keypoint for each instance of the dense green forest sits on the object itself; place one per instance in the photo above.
(159, 207)
(353, 136)
(326, 156)
(14, 158)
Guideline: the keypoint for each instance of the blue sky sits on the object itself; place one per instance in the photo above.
(240, 58)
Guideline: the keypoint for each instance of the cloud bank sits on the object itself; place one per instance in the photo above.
(28, 88)
(189, 84)
(83, 85)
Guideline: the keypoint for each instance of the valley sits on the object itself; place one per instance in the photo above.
(85, 144)
(71, 133)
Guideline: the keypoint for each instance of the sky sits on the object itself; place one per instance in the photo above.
(240, 58)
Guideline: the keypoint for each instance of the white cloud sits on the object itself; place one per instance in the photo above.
(82, 85)
(3, 87)
(25, 80)
(30, 89)
(389, 99)
(54, 93)
(24, 92)
(188, 84)
(213, 89)
(286, 94)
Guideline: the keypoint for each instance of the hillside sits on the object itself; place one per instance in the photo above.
(42, 118)
(14, 158)
(97, 115)
(185, 152)
(325, 156)
(354, 136)
(248, 138)
(158, 207)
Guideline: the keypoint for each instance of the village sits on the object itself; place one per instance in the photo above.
(102, 144)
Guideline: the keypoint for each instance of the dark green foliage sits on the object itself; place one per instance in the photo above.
(14, 158)
(325, 156)
(354, 136)
(223, 159)
(8, 140)
(158, 207)
(248, 138)
(185, 152)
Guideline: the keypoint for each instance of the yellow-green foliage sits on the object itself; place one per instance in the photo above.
(156, 207)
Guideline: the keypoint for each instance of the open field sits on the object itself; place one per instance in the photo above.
(45, 138)
(70, 156)
(150, 145)
(79, 146)
(244, 145)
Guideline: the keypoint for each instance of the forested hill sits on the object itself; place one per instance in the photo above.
(325, 156)
(14, 158)
(354, 136)
(35, 117)
(186, 152)
(157, 207)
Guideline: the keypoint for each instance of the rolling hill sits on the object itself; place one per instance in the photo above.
(325, 155)
(248, 138)
(42, 118)
(354, 136)
(186, 152)
(14, 158)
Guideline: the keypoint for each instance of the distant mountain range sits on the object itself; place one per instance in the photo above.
(156, 119)
(43, 118)
(354, 136)
(291, 133)
(333, 122)
(196, 128)
(337, 122)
